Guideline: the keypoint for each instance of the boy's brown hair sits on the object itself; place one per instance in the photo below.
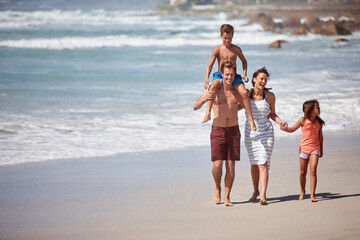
(226, 28)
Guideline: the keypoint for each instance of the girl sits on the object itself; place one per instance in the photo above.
(311, 145)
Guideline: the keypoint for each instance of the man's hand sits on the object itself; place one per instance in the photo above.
(206, 83)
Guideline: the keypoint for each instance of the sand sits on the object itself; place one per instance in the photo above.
(169, 195)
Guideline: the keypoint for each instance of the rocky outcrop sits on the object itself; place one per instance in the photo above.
(310, 25)
(266, 22)
(277, 44)
(292, 22)
(329, 28)
(341, 40)
(301, 30)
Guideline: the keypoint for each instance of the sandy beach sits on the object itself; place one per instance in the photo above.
(168, 195)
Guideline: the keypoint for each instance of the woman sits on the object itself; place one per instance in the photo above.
(259, 144)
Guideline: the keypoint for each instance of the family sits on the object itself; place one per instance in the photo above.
(226, 96)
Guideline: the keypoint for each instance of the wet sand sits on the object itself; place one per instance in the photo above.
(169, 195)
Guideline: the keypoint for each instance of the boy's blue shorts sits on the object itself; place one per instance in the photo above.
(238, 78)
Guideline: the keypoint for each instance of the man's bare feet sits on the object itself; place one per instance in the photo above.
(228, 203)
(263, 202)
(302, 195)
(254, 196)
(252, 125)
(206, 118)
(217, 197)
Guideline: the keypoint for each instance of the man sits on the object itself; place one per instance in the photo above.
(225, 134)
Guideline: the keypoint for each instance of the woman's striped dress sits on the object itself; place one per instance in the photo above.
(260, 143)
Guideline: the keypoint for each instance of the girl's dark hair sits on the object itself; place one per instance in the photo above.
(308, 107)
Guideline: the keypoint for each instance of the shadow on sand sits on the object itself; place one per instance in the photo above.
(319, 196)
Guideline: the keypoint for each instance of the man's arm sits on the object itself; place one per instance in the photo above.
(244, 63)
(208, 95)
(209, 67)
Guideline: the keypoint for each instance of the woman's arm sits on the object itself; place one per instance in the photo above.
(271, 101)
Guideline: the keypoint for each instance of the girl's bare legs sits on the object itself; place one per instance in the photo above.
(255, 175)
(303, 170)
(314, 160)
(264, 179)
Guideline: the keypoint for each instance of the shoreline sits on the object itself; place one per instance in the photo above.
(161, 195)
(291, 136)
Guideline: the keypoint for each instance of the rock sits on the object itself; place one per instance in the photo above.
(312, 22)
(302, 30)
(331, 28)
(277, 44)
(266, 22)
(292, 22)
(349, 25)
(341, 40)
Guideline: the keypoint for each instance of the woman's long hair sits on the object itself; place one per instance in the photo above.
(308, 107)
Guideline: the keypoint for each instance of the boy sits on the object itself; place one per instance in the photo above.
(228, 52)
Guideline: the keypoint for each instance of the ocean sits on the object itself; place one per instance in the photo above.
(77, 84)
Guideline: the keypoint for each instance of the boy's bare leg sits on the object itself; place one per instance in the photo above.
(229, 180)
(255, 180)
(210, 100)
(314, 159)
(302, 178)
(217, 173)
(243, 92)
(208, 111)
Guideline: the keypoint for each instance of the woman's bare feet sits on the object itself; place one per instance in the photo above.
(206, 118)
(263, 202)
(254, 196)
(302, 195)
(313, 199)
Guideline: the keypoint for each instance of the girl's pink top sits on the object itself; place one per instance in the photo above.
(310, 142)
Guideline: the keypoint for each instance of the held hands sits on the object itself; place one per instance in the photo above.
(246, 79)
(284, 126)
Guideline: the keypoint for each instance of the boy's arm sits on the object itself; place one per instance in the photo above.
(209, 67)
(321, 141)
(244, 63)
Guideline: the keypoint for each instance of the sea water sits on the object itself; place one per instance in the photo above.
(97, 83)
